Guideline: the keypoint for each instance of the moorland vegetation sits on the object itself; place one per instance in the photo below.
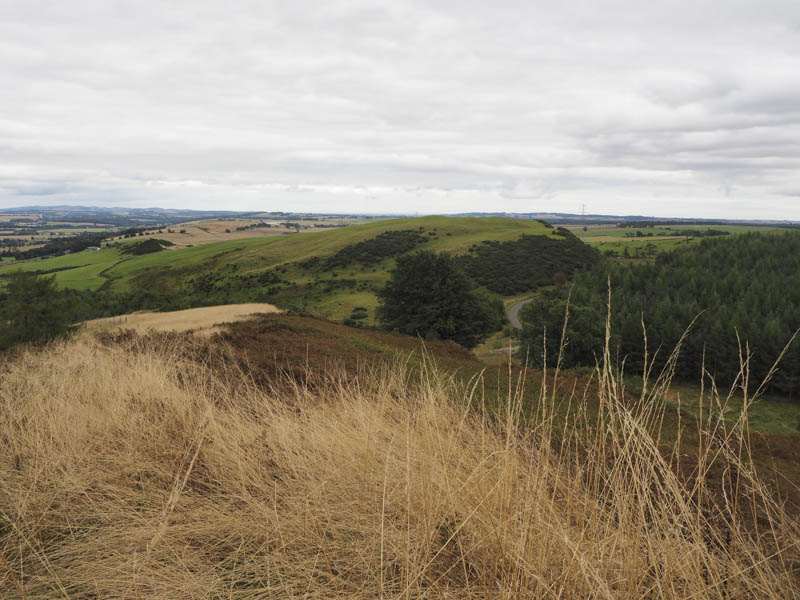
(168, 466)
(147, 246)
(372, 251)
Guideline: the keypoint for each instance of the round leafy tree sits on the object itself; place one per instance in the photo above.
(428, 295)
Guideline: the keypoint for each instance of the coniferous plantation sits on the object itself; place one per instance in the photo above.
(741, 297)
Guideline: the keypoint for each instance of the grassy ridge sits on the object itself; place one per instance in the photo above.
(231, 271)
(264, 252)
(464, 231)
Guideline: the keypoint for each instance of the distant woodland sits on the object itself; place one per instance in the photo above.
(748, 285)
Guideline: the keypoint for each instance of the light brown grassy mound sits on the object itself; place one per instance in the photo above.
(202, 319)
(138, 475)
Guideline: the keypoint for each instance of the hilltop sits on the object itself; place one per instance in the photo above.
(328, 272)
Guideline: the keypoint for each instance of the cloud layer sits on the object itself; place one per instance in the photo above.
(671, 108)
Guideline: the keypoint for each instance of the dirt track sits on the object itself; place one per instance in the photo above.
(513, 313)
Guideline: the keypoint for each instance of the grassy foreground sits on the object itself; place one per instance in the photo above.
(134, 469)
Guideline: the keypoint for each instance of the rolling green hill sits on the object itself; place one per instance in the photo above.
(78, 271)
(327, 272)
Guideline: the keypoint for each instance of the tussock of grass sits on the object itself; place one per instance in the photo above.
(143, 474)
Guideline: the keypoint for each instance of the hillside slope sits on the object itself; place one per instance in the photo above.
(168, 466)
(328, 272)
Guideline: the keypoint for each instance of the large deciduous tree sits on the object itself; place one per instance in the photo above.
(428, 295)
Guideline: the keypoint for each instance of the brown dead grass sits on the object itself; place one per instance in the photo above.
(139, 473)
(201, 320)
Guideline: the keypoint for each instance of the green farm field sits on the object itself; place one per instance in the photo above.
(90, 270)
(79, 271)
(615, 241)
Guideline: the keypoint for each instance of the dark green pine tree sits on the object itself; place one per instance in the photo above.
(32, 309)
(428, 295)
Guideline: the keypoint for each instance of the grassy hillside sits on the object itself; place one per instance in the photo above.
(290, 270)
(449, 234)
(296, 457)
(79, 271)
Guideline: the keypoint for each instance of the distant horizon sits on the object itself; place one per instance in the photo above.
(393, 214)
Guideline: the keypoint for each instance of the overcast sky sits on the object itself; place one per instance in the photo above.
(627, 107)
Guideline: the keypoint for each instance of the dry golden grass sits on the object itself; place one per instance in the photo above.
(141, 473)
(202, 320)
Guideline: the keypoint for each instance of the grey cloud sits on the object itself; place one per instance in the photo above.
(417, 106)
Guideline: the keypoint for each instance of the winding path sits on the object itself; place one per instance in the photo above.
(513, 313)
